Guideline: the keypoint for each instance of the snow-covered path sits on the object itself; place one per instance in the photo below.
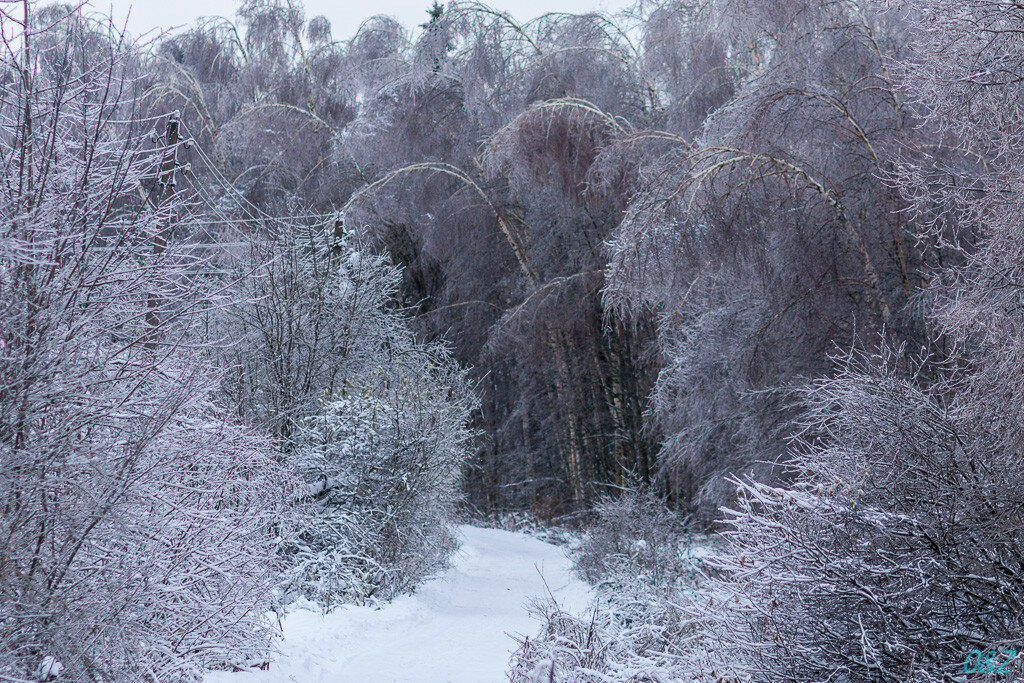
(453, 630)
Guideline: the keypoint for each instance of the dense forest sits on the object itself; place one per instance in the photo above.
(279, 307)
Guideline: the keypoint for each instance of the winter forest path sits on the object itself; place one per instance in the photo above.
(455, 629)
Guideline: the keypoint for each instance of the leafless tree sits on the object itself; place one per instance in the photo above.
(137, 536)
(771, 236)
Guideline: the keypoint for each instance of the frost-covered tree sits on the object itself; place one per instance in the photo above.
(771, 235)
(137, 535)
(298, 331)
(316, 325)
(267, 98)
(504, 248)
(896, 554)
(382, 455)
(966, 191)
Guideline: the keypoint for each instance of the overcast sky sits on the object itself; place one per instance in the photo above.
(345, 15)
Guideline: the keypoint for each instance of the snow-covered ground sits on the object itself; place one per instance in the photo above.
(455, 629)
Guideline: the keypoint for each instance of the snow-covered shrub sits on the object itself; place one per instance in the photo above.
(628, 636)
(635, 553)
(143, 549)
(373, 421)
(137, 532)
(566, 644)
(303, 325)
(894, 555)
(382, 457)
(635, 538)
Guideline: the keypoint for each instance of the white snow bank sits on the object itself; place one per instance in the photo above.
(455, 629)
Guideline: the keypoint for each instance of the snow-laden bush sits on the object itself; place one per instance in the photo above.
(569, 647)
(635, 554)
(375, 422)
(635, 538)
(137, 533)
(382, 457)
(894, 556)
(629, 637)
(139, 548)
